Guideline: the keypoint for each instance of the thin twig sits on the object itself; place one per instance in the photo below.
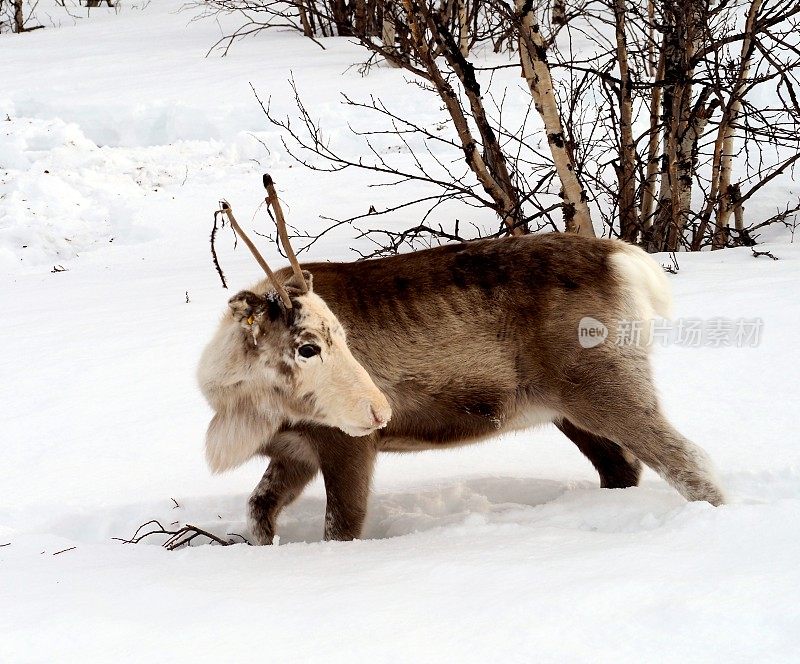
(176, 538)
(768, 254)
(218, 213)
(72, 548)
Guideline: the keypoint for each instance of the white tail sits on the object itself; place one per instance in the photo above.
(645, 280)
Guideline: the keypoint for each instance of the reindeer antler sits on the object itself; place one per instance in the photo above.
(280, 222)
(226, 208)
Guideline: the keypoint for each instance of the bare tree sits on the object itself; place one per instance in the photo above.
(641, 126)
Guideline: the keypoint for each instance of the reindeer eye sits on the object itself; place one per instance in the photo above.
(308, 350)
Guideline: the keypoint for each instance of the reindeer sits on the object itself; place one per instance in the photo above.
(435, 349)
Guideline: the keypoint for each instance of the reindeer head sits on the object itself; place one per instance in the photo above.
(280, 357)
(303, 351)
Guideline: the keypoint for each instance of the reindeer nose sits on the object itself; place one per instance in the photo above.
(376, 419)
(380, 417)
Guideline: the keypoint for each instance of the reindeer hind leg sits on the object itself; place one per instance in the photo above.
(617, 467)
(617, 401)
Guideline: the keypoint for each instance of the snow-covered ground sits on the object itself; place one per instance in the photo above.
(117, 137)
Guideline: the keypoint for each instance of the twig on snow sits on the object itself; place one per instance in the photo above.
(768, 254)
(178, 538)
(674, 268)
(65, 550)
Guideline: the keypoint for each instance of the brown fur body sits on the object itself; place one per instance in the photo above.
(470, 340)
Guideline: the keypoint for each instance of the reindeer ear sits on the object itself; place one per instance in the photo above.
(294, 288)
(245, 303)
(246, 306)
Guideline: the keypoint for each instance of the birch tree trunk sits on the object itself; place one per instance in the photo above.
(19, 18)
(360, 18)
(681, 32)
(536, 70)
(686, 164)
(388, 31)
(463, 28)
(301, 10)
(735, 197)
(726, 204)
(649, 192)
(651, 37)
(626, 171)
(341, 17)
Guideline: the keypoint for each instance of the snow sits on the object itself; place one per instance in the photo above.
(503, 551)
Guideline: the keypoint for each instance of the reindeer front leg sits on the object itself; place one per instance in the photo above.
(346, 465)
(283, 481)
(292, 467)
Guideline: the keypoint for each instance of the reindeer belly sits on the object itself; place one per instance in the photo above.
(457, 417)
(400, 444)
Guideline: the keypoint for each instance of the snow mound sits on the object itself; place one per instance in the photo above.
(61, 195)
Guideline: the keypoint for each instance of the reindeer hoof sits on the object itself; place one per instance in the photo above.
(261, 530)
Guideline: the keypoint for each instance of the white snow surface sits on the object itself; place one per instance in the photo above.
(121, 136)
